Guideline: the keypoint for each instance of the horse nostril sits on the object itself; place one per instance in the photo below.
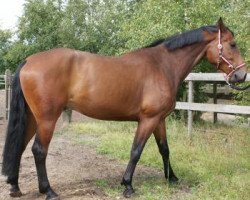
(235, 76)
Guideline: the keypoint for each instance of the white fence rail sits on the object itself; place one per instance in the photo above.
(208, 77)
(216, 108)
(2, 81)
(5, 80)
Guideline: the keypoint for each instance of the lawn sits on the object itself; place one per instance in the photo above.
(214, 164)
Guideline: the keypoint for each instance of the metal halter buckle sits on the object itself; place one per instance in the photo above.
(220, 46)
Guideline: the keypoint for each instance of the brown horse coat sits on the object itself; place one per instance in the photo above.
(111, 88)
(139, 86)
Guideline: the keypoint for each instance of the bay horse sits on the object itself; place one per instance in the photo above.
(138, 86)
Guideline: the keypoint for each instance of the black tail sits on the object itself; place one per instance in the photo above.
(15, 135)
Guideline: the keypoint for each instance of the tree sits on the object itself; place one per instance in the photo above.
(5, 42)
(87, 25)
(93, 25)
(38, 30)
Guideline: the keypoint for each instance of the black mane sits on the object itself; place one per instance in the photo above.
(184, 39)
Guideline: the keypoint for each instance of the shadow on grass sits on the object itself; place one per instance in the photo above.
(149, 187)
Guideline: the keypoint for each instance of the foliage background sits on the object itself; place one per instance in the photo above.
(113, 27)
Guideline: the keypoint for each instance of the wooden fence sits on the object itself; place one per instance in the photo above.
(204, 107)
(6, 81)
(190, 106)
(2, 81)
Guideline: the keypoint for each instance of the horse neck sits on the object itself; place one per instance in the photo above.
(181, 61)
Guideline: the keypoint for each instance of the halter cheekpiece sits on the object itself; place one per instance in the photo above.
(221, 57)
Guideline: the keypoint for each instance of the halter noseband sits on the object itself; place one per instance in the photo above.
(221, 57)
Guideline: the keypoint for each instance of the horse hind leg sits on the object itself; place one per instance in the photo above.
(40, 151)
(29, 133)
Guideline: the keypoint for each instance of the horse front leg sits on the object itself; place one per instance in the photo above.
(144, 130)
(161, 140)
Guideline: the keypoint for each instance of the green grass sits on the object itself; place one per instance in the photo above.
(215, 164)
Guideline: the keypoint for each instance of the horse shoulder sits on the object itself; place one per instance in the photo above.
(158, 98)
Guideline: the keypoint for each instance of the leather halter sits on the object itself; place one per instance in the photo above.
(221, 57)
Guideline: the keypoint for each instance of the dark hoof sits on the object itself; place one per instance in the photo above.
(15, 191)
(128, 192)
(51, 195)
(16, 194)
(173, 180)
(53, 198)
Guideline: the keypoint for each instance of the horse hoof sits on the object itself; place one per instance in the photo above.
(51, 195)
(53, 198)
(128, 192)
(173, 180)
(16, 193)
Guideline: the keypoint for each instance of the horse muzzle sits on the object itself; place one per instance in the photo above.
(239, 76)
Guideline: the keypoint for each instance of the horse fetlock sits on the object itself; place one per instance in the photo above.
(128, 187)
(173, 179)
(44, 187)
(125, 181)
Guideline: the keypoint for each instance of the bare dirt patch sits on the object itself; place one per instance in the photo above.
(73, 171)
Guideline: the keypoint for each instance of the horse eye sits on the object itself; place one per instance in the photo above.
(233, 45)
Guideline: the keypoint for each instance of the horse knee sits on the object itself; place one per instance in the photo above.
(136, 154)
(164, 150)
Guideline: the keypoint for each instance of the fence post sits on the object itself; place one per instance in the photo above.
(215, 100)
(66, 116)
(190, 113)
(7, 79)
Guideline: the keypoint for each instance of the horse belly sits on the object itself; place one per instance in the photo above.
(106, 89)
(106, 106)
(105, 112)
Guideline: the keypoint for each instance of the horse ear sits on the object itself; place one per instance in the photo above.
(221, 25)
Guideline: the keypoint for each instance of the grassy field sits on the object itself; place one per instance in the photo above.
(214, 164)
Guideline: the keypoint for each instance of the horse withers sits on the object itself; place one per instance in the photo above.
(138, 86)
